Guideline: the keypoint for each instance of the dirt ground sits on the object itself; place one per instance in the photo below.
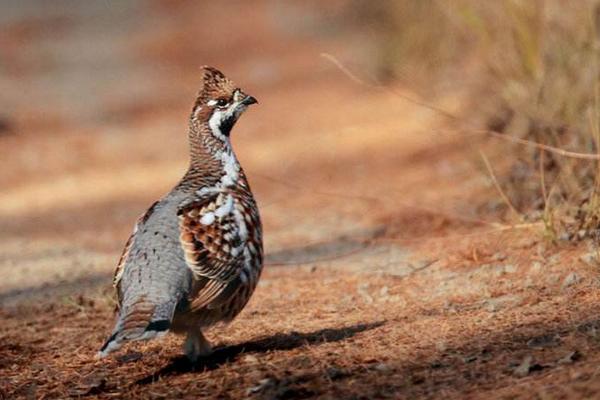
(388, 272)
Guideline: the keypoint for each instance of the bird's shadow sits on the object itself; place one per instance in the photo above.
(222, 355)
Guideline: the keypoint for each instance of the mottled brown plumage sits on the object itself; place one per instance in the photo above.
(195, 256)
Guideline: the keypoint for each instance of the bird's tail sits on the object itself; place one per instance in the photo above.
(142, 320)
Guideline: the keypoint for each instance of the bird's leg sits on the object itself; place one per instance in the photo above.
(196, 345)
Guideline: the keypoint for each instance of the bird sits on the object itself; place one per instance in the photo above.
(196, 255)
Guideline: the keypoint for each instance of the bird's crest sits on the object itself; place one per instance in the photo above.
(215, 85)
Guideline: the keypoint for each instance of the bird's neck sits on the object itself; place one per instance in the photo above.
(213, 164)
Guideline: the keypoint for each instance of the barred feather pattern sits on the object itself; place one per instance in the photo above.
(221, 236)
(195, 257)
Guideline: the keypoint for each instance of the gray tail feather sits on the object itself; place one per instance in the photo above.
(152, 330)
(130, 327)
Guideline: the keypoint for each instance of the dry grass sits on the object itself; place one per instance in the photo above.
(536, 65)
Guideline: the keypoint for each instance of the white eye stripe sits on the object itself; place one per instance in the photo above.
(218, 102)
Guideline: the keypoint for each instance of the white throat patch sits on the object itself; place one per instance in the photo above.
(219, 116)
(214, 123)
(231, 167)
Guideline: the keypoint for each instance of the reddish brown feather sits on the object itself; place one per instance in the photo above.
(208, 248)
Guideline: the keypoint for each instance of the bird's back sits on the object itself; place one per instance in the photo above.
(152, 277)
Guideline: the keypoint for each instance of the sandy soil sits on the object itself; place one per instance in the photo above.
(389, 273)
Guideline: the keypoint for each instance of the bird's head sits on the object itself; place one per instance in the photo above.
(219, 103)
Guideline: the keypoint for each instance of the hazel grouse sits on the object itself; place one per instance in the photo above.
(195, 256)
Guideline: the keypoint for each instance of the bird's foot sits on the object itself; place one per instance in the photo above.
(196, 346)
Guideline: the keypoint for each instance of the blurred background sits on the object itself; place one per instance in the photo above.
(95, 104)
(385, 131)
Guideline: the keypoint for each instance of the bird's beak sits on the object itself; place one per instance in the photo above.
(249, 100)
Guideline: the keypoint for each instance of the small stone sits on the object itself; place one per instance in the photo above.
(590, 259)
(441, 347)
(90, 384)
(262, 385)
(523, 369)
(334, 373)
(544, 341)
(510, 268)
(470, 359)
(536, 267)
(576, 375)
(383, 367)
(499, 256)
(363, 291)
(564, 237)
(570, 280)
(498, 303)
(555, 259)
(570, 358)
(590, 330)
(396, 299)
(491, 306)
(500, 270)
(250, 359)
(129, 357)
(31, 391)
(529, 283)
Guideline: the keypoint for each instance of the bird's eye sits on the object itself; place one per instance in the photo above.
(221, 103)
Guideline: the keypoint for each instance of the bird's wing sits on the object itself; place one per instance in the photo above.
(118, 274)
(120, 268)
(212, 237)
